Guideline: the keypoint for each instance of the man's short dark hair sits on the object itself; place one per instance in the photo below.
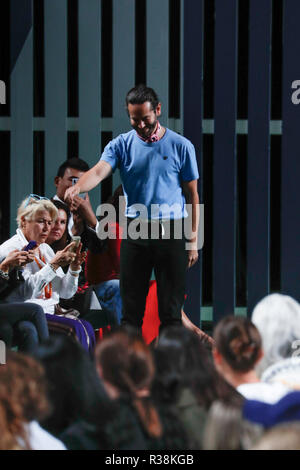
(140, 94)
(75, 163)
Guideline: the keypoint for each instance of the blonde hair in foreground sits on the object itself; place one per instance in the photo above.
(29, 210)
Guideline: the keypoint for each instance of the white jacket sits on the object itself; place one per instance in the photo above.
(40, 439)
(63, 285)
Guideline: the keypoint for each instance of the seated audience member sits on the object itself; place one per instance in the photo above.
(226, 429)
(237, 351)
(23, 403)
(45, 281)
(80, 408)
(82, 219)
(22, 325)
(125, 364)
(187, 379)
(103, 272)
(58, 237)
(277, 318)
(85, 300)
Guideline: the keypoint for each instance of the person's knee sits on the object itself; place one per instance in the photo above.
(35, 310)
(28, 331)
(6, 333)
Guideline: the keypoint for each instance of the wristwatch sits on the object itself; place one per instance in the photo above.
(4, 275)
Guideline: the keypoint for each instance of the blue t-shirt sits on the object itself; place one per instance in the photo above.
(152, 173)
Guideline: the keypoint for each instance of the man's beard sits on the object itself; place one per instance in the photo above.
(149, 130)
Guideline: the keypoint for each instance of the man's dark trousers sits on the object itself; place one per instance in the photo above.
(168, 258)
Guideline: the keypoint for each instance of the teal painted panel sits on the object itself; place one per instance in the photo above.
(123, 65)
(55, 89)
(21, 96)
(158, 52)
(89, 55)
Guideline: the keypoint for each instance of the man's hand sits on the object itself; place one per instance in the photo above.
(82, 206)
(71, 193)
(89, 180)
(192, 258)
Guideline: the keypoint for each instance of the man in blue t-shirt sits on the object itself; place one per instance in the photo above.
(159, 175)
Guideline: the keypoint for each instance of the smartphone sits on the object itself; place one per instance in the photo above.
(77, 240)
(31, 245)
(74, 181)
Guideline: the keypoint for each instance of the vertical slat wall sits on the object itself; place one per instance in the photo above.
(89, 55)
(258, 196)
(290, 230)
(123, 65)
(157, 66)
(192, 124)
(55, 89)
(21, 158)
(224, 184)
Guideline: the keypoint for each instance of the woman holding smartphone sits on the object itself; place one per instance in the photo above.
(21, 324)
(45, 281)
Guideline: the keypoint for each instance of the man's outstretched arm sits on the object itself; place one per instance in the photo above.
(89, 180)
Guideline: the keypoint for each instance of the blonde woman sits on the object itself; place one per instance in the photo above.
(44, 280)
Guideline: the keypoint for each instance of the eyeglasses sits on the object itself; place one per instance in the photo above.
(36, 197)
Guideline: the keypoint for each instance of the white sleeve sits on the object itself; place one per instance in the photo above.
(35, 283)
(64, 285)
(68, 285)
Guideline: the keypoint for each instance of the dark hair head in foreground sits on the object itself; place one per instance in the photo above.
(182, 360)
(239, 342)
(75, 390)
(22, 398)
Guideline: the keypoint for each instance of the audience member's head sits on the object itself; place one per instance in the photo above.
(126, 367)
(226, 429)
(75, 390)
(58, 236)
(35, 218)
(238, 347)
(182, 360)
(277, 317)
(22, 398)
(117, 200)
(70, 169)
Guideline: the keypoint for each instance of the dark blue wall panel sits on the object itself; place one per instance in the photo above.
(290, 230)
(258, 195)
(192, 125)
(224, 173)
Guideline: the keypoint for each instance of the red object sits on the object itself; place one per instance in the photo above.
(151, 323)
(101, 333)
(104, 266)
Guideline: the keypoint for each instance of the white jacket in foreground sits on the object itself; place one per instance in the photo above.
(40, 439)
(32, 290)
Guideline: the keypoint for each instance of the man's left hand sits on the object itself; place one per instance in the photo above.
(192, 258)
